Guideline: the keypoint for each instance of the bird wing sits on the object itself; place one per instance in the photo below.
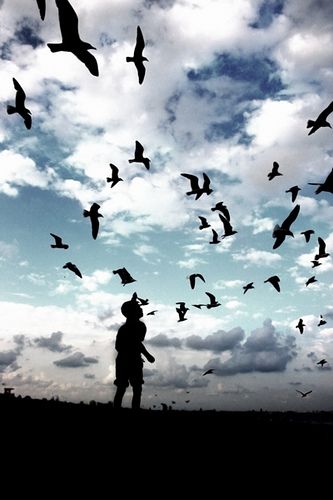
(69, 22)
(203, 220)
(94, 208)
(88, 59)
(324, 114)
(58, 240)
(139, 149)
(140, 43)
(114, 169)
(322, 246)
(226, 224)
(193, 180)
(275, 167)
(42, 8)
(94, 227)
(306, 393)
(198, 275)
(141, 70)
(192, 280)
(300, 392)
(206, 182)
(291, 217)
(212, 297)
(75, 270)
(20, 94)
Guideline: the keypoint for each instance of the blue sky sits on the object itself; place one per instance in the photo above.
(228, 90)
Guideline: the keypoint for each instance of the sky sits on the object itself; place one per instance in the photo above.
(228, 90)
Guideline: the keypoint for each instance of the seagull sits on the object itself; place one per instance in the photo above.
(315, 263)
(125, 276)
(311, 280)
(213, 301)
(192, 279)
(58, 242)
(322, 362)
(222, 208)
(42, 8)
(182, 310)
(215, 238)
(138, 155)
(199, 306)
(72, 267)
(304, 394)
(300, 325)
(294, 192)
(228, 230)
(204, 224)
(327, 185)
(115, 178)
(322, 250)
(71, 41)
(307, 234)
(195, 189)
(321, 321)
(321, 120)
(152, 313)
(279, 233)
(274, 172)
(137, 56)
(19, 105)
(143, 302)
(248, 287)
(207, 372)
(274, 280)
(93, 214)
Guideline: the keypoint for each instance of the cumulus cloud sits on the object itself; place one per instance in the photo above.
(75, 360)
(52, 343)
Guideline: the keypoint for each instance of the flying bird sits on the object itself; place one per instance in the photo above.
(322, 250)
(322, 362)
(124, 275)
(300, 325)
(58, 242)
(228, 229)
(207, 372)
(93, 214)
(71, 41)
(204, 224)
(274, 172)
(222, 208)
(274, 280)
(19, 105)
(115, 177)
(315, 263)
(182, 310)
(248, 287)
(321, 121)
(280, 232)
(321, 321)
(326, 186)
(72, 267)
(195, 189)
(304, 394)
(213, 301)
(192, 279)
(138, 156)
(311, 280)
(294, 192)
(138, 58)
(215, 238)
(152, 313)
(42, 8)
(307, 234)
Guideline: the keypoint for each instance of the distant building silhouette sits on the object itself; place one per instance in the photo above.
(8, 392)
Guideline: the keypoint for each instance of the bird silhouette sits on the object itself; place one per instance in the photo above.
(322, 250)
(322, 362)
(124, 275)
(19, 105)
(248, 287)
(115, 177)
(93, 214)
(42, 8)
(326, 186)
(215, 238)
(307, 234)
(274, 172)
(71, 41)
(143, 302)
(280, 232)
(72, 267)
(207, 372)
(152, 313)
(275, 281)
(304, 394)
(195, 189)
(222, 208)
(321, 121)
(321, 321)
(204, 224)
(311, 280)
(138, 156)
(181, 310)
(228, 229)
(213, 301)
(192, 278)
(199, 306)
(58, 242)
(138, 58)
(300, 325)
(294, 192)
(315, 263)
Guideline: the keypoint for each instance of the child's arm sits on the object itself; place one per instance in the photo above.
(147, 354)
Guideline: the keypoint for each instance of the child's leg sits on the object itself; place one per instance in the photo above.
(118, 398)
(136, 399)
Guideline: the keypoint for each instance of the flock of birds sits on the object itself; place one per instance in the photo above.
(71, 42)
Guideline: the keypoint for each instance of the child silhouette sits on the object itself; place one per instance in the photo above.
(129, 345)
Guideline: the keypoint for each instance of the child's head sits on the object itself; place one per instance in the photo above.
(131, 309)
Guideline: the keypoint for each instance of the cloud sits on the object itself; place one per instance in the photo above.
(52, 343)
(76, 360)
(162, 340)
(217, 342)
(257, 257)
(8, 361)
